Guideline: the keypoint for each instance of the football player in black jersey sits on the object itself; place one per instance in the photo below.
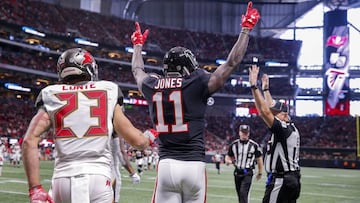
(177, 103)
(282, 154)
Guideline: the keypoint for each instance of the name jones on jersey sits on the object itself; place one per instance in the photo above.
(165, 83)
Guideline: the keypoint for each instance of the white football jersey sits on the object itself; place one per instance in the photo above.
(2, 150)
(81, 117)
(16, 149)
(217, 157)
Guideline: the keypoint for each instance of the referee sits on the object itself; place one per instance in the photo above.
(243, 153)
(282, 155)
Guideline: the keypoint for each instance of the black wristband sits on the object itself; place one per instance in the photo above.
(254, 87)
(266, 89)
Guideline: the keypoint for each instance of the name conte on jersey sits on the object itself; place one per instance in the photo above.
(79, 87)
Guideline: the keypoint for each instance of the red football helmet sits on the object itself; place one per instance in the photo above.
(75, 64)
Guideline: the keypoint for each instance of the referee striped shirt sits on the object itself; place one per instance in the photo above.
(282, 153)
(245, 153)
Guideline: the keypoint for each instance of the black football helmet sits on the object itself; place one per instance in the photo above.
(179, 61)
(75, 64)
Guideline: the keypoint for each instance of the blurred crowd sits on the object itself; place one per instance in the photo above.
(63, 24)
(331, 132)
(110, 30)
(110, 69)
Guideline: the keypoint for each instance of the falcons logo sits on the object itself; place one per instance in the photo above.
(335, 76)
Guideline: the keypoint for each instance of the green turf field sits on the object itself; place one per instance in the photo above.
(319, 185)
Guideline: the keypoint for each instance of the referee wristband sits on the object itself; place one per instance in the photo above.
(254, 87)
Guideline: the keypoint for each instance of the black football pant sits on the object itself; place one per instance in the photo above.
(284, 188)
(242, 185)
(217, 165)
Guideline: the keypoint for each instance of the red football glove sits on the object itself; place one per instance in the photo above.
(137, 37)
(37, 194)
(152, 135)
(251, 17)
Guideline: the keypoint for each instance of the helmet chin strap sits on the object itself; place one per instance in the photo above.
(185, 71)
(173, 74)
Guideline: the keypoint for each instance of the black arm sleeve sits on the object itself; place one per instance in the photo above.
(120, 98)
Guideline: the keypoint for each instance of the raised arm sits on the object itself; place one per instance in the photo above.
(265, 88)
(222, 73)
(137, 62)
(260, 103)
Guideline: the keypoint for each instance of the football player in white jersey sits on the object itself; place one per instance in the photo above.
(139, 159)
(155, 159)
(16, 153)
(2, 149)
(83, 113)
(119, 156)
(125, 162)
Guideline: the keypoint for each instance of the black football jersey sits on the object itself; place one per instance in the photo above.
(177, 108)
(283, 148)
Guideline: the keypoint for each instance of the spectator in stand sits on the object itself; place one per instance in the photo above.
(83, 112)
(177, 104)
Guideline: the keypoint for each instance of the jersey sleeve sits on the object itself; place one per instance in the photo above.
(277, 128)
(120, 99)
(39, 103)
(258, 151)
(205, 77)
(230, 151)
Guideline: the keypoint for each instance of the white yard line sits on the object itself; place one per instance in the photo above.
(13, 192)
(330, 195)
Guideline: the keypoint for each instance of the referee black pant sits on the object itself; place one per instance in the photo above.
(242, 184)
(282, 188)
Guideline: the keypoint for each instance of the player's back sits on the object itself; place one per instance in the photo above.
(177, 106)
(81, 115)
